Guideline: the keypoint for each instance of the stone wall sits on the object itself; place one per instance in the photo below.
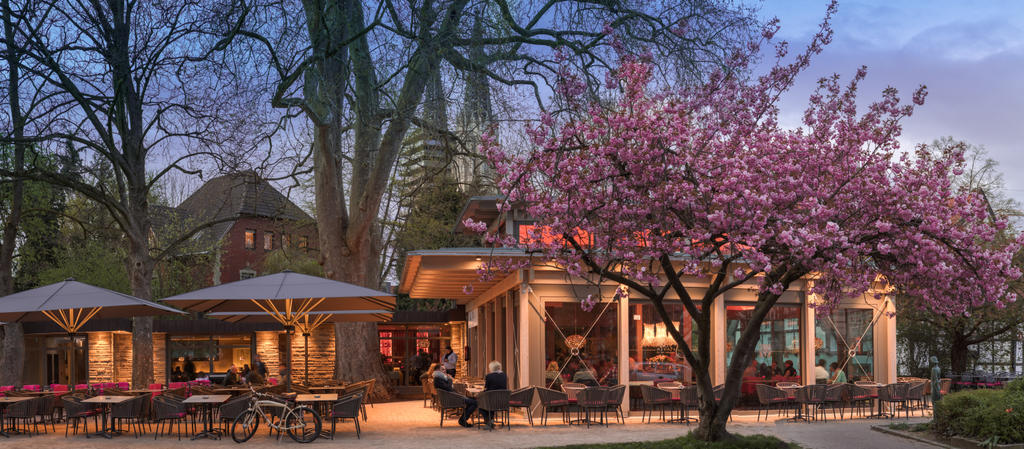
(101, 365)
(459, 346)
(122, 357)
(266, 347)
(321, 356)
(159, 358)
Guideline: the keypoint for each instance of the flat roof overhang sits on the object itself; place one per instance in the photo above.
(445, 273)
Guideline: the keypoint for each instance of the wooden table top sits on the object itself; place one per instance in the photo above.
(107, 399)
(326, 397)
(328, 387)
(39, 393)
(13, 399)
(207, 399)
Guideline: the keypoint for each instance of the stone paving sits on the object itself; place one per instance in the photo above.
(410, 425)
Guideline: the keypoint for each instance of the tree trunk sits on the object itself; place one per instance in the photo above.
(12, 345)
(959, 354)
(14, 354)
(140, 270)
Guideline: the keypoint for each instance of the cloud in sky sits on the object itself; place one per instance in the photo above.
(969, 54)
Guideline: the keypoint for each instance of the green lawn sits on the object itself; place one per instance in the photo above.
(688, 442)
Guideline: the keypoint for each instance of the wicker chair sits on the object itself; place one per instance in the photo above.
(769, 396)
(654, 398)
(860, 398)
(552, 400)
(688, 399)
(169, 410)
(593, 400)
(44, 410)
(523, 398)
(614, 401)
(364, 388)
(25, 412)
(131, 410)
(894, 394)
(77, 411)
(496, 403)
(230, 410)
(834, 397)
(347, 408)
(448, 401)
(428, 395)
(916, 396)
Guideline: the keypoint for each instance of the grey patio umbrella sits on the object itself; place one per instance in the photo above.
(71, 304)
(295, 300)
(309, 323)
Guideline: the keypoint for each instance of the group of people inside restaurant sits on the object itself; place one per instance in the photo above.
(257, 374)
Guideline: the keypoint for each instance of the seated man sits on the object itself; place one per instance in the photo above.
(495, 380)
(443, 382)
(231, 377)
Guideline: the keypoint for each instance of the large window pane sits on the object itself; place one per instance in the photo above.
(778, 343)
(407, 350)
(194, 356)
(653, 354)
(580, 346)
(845, 337)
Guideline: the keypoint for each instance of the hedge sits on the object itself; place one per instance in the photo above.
(983, 414)
(688, 442)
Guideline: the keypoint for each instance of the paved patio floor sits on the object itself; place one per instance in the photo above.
(410, 425)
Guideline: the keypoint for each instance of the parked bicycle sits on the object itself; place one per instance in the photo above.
(301, 423)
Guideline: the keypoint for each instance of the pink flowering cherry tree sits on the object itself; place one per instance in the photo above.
(665, 186)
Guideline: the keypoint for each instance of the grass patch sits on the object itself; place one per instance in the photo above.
(689, 442)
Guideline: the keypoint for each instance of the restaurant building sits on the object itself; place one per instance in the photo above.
(531, 320)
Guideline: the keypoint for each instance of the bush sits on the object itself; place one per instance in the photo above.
(983, 414)
(688, 442)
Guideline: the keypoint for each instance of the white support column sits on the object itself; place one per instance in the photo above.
(718, 327)
(807, 354)
(623, 326)
(885, 345)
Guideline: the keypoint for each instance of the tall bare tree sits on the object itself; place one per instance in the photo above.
(126, 83)
(358, 70)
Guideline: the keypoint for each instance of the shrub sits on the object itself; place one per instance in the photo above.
(983, 414)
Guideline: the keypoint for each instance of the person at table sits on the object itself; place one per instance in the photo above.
(837, 376)
(259, 367)
(585, 376)
(444, 382)
(190, 369)
(450, 360)
(820, 373)
(495, 380)
(231, 377)
(246, 371)
(751, 371)
(285, 373)
(788, 370)
(178, 375)
(776, 371)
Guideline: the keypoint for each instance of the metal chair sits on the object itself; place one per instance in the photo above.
(496, 403)
(614, 401)
(654, 398)
(523, 398)
(78, 412)
(167, 409)
(25, 412)
(552, 400)
(230, 410)
(593, 399)
(834, 397)
(769, 396)
(448, 401)
(347, 407)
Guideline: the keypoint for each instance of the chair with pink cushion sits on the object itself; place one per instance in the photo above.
(32, 387)
(124, 386)
(81, 387)
(58, 387)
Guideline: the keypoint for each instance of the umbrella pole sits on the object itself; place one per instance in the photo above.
(290, 330)
(305, 336)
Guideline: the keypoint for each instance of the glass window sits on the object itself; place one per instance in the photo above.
(206, 355)
(407, 350)
(580, 346)
(286, 241)
(303, 242)
(653, 354)
(846, 338)
(268, 240)
(250, 239)
(246, 273)
(778, 343)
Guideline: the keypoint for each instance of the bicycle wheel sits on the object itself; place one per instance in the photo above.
(244, 426)
(303, 424)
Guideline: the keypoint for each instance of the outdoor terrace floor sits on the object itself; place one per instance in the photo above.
(409, 425)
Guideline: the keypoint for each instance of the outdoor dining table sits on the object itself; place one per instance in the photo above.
(571, 392)
(320, 402)
(473, 391)
(4, 402)
(207, 402)
(878, 400)
(107, 402)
